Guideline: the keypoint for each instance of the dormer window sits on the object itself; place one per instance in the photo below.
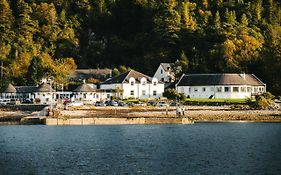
(155, 83)
(161, 71)
(143, 81)
(132, 81)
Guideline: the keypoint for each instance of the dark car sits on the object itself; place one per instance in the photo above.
(174, 104)
(99, 103)
(151, 103)
(121, 103)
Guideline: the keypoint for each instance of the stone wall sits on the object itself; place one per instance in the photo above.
(116, 121)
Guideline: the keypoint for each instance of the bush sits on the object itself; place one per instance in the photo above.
(262, 102)
(268, 96)
(172, 94)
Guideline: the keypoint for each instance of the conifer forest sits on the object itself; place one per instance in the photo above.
(54, 37)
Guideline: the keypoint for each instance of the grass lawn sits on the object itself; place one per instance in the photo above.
(217, 100)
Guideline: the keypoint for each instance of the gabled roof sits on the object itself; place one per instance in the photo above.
(219, 79)
(10, 89)
(84, 88)
(25, 89)
(90, 73)
(124, 77)
(167, 66)
(44, 87)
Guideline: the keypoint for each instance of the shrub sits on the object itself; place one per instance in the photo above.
(262, 102)
(172, 94)
(268, 96)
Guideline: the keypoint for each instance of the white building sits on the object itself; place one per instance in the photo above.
(133, 84)
(44, 94)
(165, 73)
(237, 86)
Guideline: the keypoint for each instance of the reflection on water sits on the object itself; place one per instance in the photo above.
(214, 148)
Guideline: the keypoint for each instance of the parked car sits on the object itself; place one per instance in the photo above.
(175, 103)
(151, 103)
(4, 101)
(162, 104)
(121, 103)
(75, 103)
(27, 101)
(99, 103)
(113, 103)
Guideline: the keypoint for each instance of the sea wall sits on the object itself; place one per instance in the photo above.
(116, 121)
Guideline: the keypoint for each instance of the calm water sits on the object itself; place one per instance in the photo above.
(205, 148)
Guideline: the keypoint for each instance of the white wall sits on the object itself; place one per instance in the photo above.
(137, 88)
(198, 91)
(45, 97)
(164, 75)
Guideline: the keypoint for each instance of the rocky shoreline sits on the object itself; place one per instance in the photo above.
(196, 113)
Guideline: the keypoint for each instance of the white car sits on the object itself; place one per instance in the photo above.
(75, 103)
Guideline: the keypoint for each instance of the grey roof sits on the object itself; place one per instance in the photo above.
(44, 87)
(219, 79)
(84, 88)
(81, 74)
(124, 77)
(167, 66)
(10, 89)
(25, 89)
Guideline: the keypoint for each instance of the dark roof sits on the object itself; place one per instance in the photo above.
(84, 88)
(10, 89)
(81, 74)
(44, 87)
(25, 89)
(124, 77)
(219, 79)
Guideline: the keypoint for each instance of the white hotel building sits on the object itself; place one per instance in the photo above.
(235, 86)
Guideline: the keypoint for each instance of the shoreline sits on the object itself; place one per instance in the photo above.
(198, 114)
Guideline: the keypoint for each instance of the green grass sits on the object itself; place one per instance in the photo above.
(217, 100)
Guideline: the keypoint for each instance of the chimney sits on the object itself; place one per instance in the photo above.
(243, 75)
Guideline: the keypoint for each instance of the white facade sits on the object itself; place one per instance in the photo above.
(142, 89)
(165, 76)
(44, 97)
(220, 91)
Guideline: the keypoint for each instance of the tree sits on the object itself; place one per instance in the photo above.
(35, 71)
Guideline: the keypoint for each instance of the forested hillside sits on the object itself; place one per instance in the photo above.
(51, 37)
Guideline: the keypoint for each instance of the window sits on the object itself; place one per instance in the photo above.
(97, 95)
(143, 92)
(219, 89)
(132, 92)
(155, 83)
(154, 93)
(162, 79)
(242, 89)
(235, 89)
(143, 82)
(189, 89)
(108, 95)
(203, 89)
(161, 71)
(226, 89)
(249, 89)
(195, 89)
(132, 83)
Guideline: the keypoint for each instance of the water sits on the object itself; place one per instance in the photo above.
(205, 148)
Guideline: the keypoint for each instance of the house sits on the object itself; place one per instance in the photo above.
(133, 84)
(165, 73)
(44, 94)
(19, 93)
(84, 93)
(220, 85)
(86, 74)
